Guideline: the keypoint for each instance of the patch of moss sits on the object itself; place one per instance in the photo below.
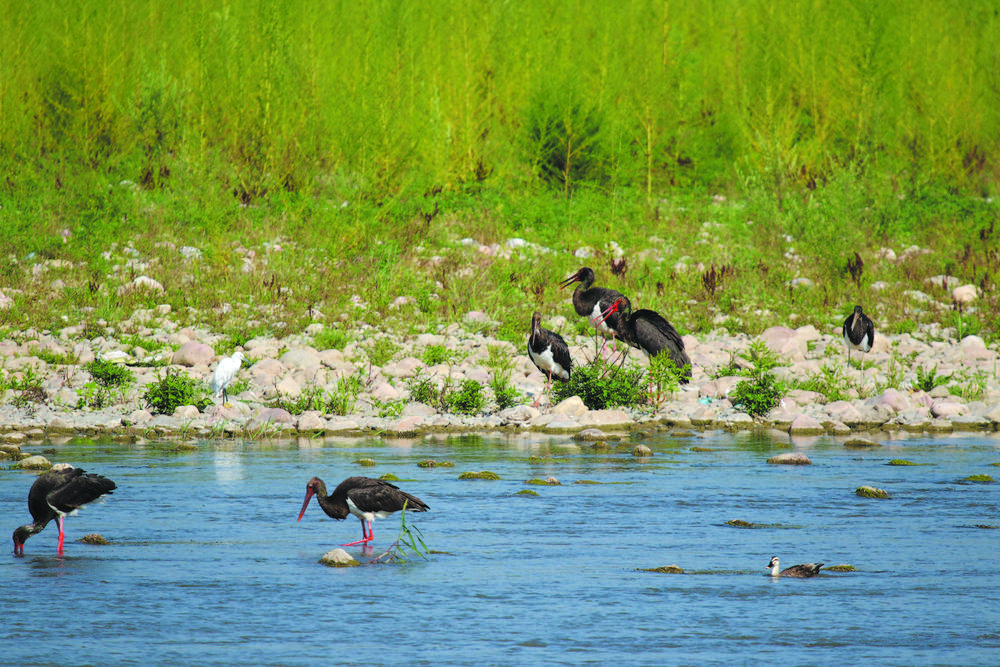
(871, 492)
(389, 477)
(739, 523)
(979, 479)
(586, 481)
(842, 568)
(526, 492)
(663, 569)
(482, 474)
(94, 538)
(701, 449)
(366, 462)
(543, 482)
(860, 443)
(183, 447)
(899, 462)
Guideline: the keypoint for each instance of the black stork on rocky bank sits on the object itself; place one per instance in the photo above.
(591, 302)
(60, 491)
(549, 352)
(650, 332)
(365, 498)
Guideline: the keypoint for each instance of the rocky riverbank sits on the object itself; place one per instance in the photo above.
(883, 398)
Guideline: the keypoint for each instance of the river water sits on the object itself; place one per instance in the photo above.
(208, 565)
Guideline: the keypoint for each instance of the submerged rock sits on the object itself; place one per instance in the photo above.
(979, 479)
(790, 458)
(338, 558)
(871, 492)
(900, 462)
(841, 568)
(94, 538)
(365, 462)
(739, 523)
(389, 477)
(35, 462)
(641, 451)
(548, 481)
(483, 474)
(664, 569)
(860, 443)
(526, 492)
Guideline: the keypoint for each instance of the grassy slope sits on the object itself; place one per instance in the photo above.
(367, 138)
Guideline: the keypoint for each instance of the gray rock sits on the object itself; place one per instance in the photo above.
(790, 458)
(36, 462)
(805, 425)
(338, 558)
(193, 353)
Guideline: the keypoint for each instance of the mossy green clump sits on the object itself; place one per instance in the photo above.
(841, 568)
(739, 523)
(701, 449)
(183, 447)
(482, 474)
(427, 463)
(586, 481)
(389, 477)
(548, 481)
(860, 443)
(94, 538)
(899, 462)
(979, 479)
(664, 569)
(365, 462)
(526, 492)
(871, 492)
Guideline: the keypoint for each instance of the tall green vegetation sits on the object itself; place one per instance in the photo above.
(255, 99)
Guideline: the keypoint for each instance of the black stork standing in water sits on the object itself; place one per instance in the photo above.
(591, 302)
(60, 491)
(859, 334)
(365, 498)
(650, 332)
(549, 352)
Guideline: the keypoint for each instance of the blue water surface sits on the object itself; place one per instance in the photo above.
(208, 565)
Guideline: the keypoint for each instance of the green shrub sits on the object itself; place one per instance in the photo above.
(343, 398)
(501, 366)
(601, 385)
(760, 392)
(466, 400)
(424, 389)
(665, 378)
(927, 380)
(110, 384)
(331, 339)
(172, 391)
(436, 354)
(311, 398)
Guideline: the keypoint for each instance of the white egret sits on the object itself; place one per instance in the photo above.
(224, 374)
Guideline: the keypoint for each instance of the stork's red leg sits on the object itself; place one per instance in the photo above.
(62, 535)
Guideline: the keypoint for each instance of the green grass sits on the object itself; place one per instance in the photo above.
(313, 157)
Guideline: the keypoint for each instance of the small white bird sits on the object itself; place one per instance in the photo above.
(224, 374)
(801, 571)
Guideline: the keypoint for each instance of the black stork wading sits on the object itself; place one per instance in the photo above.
(365, 498)
(859, 334)
(650, 332)
(60, 491)
(591, 302)
(803, 571)
(549, 352)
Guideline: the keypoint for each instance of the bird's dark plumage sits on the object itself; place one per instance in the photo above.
(591, 302)
(650, 332)
(859, 332)
(365, 498)
(549, 352)
(803, 571)
(60, 491)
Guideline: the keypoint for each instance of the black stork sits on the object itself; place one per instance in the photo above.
(549, 352)
(60, 491)
(803, 571)
(591, 302)
(650, 332)
(859, 334)
(365, 498)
